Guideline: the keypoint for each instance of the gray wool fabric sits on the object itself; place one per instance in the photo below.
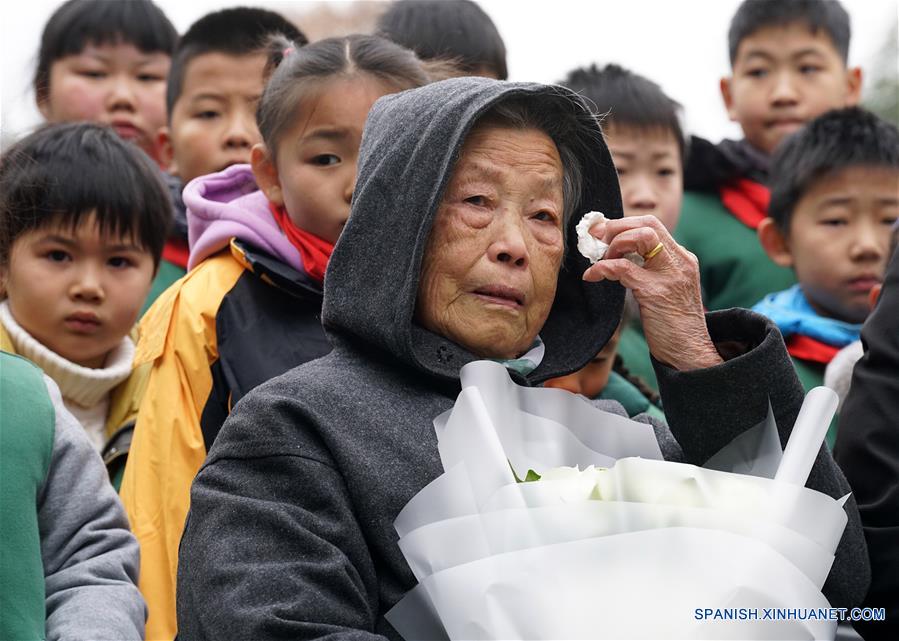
(290, 533)
(90, 557)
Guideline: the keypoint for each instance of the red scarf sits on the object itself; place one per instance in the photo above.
(747, 200)
(810, 349)
(176, 251)
(314, 251)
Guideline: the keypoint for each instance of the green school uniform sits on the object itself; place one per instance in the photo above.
(734, 269)
(168, 273)
(622, 390)
(27, 427)
(634, 352)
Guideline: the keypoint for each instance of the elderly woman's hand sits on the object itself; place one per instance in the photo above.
(666, 288)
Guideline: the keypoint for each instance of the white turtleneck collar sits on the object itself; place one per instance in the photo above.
(83, 386)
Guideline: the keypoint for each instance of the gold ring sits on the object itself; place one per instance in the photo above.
(655, 251)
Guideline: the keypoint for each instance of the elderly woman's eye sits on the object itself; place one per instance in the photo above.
(545, 215)
(480, 201)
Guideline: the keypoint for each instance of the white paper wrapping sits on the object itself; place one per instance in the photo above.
(630, 552)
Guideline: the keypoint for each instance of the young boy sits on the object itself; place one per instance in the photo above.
(107, 62)
(213, 87)
(644, 134)
(834, 198)
(69, 564)
(83, 219)
(789, 62)
(459, 31)
(838, 374)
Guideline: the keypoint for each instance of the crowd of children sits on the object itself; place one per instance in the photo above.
(164, 240)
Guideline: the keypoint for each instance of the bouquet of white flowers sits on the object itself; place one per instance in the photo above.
(623, 544)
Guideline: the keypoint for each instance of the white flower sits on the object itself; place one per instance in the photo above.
(574, 484)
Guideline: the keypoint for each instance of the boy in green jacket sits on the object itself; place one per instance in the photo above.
(789, 62)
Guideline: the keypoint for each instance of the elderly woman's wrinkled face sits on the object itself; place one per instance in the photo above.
(490, 268)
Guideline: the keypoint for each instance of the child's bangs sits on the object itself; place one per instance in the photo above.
(68, 174)
(118, 199)
(109, 23)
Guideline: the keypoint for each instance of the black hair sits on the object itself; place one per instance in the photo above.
(64, 173)
(293, 71)
(238, 31)
(626, 99)
(79, 23)
(452, 29)
(827, 15)
(835, 141)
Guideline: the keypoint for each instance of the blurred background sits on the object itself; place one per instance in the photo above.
(680, 45)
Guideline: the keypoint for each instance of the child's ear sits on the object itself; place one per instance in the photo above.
(166, 150)
(266, 174)
(854, 86)
(775, 243)
(727, 96)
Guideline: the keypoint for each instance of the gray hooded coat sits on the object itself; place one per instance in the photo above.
(290, 534)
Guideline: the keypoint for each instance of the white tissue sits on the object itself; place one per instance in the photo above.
(591, 248)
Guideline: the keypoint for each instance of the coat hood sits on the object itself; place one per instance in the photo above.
(409, 148)
(228, 205)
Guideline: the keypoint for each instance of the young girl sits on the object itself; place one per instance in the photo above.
(249, 309)
(107, 62)
(83, 217)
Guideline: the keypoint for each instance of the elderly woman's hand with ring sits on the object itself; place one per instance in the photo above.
(666, 288)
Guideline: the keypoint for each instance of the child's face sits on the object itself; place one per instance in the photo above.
(213, 122)
(650, 172)
(839, 238)
(782, 78)
(315, 172)
(113, 84)
(75, 291)
(591, 379)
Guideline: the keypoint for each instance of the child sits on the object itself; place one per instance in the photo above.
(459, 30)
(838, 374)
(834, 196)
(249, 309)
(643, 131)
(107, 62)
(69, 564)
(82, 222)
(213, 87)
(605, 377)
(789, 66)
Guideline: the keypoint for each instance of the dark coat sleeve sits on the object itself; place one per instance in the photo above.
(272, 549)
(706, 409)
(868, 451)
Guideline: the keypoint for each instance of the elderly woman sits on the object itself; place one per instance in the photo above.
(459, 247)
